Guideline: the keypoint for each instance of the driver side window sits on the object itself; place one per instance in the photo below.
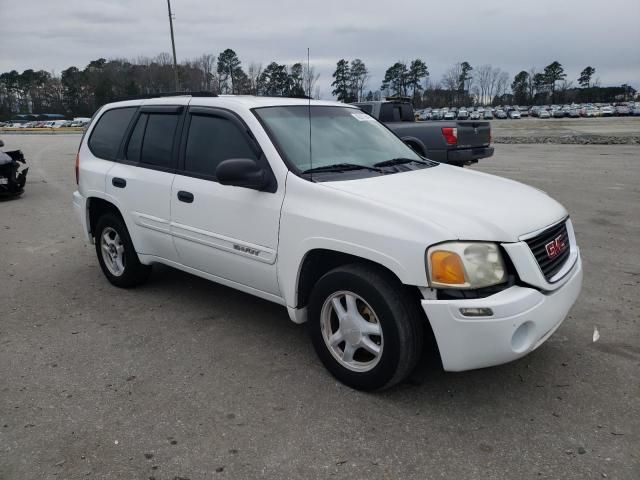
(210, 140)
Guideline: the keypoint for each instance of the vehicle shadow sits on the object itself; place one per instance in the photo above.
(11, 197)
(429, 386)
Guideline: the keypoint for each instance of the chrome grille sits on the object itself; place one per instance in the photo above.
(538, 245)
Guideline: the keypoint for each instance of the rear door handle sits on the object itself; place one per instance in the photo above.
(118, 182)
(186, 197)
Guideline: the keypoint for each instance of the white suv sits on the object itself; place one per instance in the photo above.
(320, 208)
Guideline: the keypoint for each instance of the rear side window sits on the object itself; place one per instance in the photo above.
(366, 108)
(107, 134)
(135, 142)
(151, 141)
(212, 140)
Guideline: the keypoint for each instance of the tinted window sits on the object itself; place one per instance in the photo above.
(106, 136)
(212, 140)
(367, 108)
(390, 112)
(135, 142)
(158, 139)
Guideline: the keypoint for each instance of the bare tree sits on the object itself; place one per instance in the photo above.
(484, 74)
(207, 64)
(253, 73)
(502, 82)
(451, 82)
(497, 83)
(359, 77)
(310, 78)
(451, 77)
(531, 86)
(164, 58)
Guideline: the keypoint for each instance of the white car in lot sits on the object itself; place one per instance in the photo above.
(318, 207)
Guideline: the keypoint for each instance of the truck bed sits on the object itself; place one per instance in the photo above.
(427, 139)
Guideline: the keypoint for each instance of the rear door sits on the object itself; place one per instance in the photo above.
(142, 178)
(225, 231)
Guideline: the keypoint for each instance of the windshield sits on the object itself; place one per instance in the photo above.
(339, 135)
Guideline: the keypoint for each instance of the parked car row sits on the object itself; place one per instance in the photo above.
(46, 124)
(539, 111)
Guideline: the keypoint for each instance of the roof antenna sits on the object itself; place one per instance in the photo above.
(309, 112)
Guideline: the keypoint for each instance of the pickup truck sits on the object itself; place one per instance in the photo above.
(455, 142)
(320, 208)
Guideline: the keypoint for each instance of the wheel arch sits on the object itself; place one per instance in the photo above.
(318, 261)
(96, 207)
(416, 145)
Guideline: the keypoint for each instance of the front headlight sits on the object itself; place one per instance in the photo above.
(465, 265)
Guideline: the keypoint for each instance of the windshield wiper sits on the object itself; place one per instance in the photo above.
(341, 167)
(397, 161)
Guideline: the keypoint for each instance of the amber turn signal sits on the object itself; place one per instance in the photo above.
(446, 268)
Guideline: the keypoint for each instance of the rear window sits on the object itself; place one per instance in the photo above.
(151, 141)
(396, 112)
(107, 134)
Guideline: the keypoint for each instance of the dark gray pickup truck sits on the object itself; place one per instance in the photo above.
(455, 142)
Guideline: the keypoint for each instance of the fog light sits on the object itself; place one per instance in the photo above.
(522, 337)
(476, 312)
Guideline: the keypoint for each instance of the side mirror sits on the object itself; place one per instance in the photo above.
(242, 172)
(1, 143)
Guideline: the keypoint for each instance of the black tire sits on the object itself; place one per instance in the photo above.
(397, 312)
(134, 272)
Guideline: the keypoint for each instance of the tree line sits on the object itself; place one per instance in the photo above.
(79, 92)
(463, 85)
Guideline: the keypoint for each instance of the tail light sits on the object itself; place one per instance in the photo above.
(78, 168)
(450, 135)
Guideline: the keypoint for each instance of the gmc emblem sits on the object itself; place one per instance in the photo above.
(556, 246)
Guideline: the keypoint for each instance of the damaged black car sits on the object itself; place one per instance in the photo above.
(13, 173)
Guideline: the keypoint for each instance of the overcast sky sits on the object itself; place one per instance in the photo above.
(510, 34)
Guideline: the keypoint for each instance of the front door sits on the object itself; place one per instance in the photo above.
(229, 232)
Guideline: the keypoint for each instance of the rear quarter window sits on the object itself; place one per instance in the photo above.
(106, 136)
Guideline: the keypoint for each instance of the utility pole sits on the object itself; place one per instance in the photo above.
(173, 46)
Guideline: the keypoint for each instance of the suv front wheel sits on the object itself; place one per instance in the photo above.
(116, 254)
(364, 327)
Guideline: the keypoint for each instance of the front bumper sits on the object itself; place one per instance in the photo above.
(523, 319)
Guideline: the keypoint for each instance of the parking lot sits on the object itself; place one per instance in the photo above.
(186, 379)
(616, 127)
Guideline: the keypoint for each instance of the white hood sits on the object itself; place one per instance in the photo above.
(467, 204)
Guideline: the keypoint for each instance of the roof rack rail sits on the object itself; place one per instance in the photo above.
(166, 94)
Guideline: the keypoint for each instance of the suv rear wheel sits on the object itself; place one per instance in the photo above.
(116, 254)
(364, 327)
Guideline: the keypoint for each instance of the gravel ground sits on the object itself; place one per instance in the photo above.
(603, 130)
(187, 379)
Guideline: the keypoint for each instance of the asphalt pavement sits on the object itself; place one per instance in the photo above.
(186, 379)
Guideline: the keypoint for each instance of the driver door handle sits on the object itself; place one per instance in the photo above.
(186, 197)
(118, 182)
